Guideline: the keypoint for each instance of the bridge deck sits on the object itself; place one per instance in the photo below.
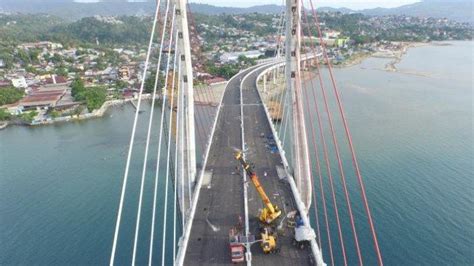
(221, 203)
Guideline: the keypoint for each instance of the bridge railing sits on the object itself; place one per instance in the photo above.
(316, 251)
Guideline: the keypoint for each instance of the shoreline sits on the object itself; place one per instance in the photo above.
(94, 114)
(200, 94)
(397, 55)
(70, 118)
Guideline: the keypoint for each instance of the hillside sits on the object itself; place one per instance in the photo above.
(459, 10)
(124, 30)
(70, 10)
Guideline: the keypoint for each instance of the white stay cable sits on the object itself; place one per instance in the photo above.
(181, 112)
(287, 116)
(175, 201)
(150, 123)
(163, 253)
(132, 139)
(158, 157)
(280, 29)
(282, 103)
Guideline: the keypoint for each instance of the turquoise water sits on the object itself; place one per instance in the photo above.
(60, 185)
(413, 133)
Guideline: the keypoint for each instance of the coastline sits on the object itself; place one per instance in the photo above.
(3, 125)
(395, 54)
(355, 60)
(203, 97)
(94, 114)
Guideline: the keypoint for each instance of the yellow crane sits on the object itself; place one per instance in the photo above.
(270, 212)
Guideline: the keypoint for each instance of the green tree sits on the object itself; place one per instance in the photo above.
(150, 82)
(78, 110)
(69, 60)
(10, 95)
(24, 57)
(28, 117)
(57, 58)
(54, 114)
(61, 71)
(101, 64)
(4, 115)
(120, 84)
(78, 89)
(34, 55)
(95, 97)
(226, 71)
(31, 69)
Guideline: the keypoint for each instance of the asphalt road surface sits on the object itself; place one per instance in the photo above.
(221, 202)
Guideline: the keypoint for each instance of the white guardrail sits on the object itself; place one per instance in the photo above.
(183, 242)
(317, 253)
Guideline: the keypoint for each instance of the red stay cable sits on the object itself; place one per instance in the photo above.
(328, 166)
(339, 160)
(349, 139)
(318, 167)
(311, 172)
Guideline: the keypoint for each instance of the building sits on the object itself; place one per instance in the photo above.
(19, 82)
(341, 42)
(43, 97)
(5, 83)
(234, 57)
(124, 73)
(54, 79)
(331, 34)
(41, 45)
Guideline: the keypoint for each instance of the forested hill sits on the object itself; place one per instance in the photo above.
(459, 10)
(71, 10)
(132, 30)
(117, 30)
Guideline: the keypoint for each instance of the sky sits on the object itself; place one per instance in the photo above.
(352, 4)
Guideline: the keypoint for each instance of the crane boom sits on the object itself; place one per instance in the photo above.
(270, 212)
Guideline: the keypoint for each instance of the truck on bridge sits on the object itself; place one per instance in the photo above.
(268, 215)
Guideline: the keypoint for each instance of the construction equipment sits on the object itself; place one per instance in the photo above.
(268, 243)
(237, 248)
(270, 212)
(303, 233)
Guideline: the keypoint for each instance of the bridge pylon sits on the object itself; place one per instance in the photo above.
(186, 140)
(300, 153)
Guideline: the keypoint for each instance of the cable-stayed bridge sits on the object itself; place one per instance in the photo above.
(286, 116)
